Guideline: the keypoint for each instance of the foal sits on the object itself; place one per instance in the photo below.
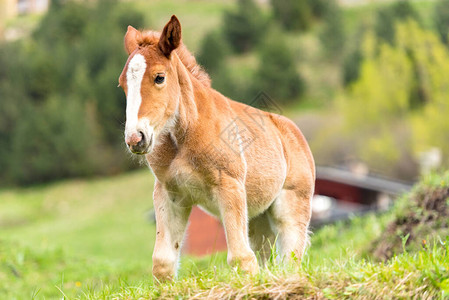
(253, 169)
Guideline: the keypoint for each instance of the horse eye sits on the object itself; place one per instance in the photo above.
(159, 79)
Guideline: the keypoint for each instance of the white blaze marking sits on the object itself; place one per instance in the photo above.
(134, 76)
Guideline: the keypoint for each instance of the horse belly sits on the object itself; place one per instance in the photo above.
(265, 176)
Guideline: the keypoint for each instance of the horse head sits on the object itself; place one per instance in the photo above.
(151, 85)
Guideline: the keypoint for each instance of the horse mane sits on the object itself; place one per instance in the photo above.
(189, 61)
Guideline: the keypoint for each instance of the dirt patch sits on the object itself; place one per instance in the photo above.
(423, 216)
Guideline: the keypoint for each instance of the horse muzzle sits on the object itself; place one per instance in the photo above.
(138, 142)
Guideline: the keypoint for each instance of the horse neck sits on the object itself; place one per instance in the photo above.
(187, 112)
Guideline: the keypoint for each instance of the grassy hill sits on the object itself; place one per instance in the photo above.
(93, 239)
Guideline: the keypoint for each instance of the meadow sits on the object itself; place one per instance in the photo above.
(93, 239)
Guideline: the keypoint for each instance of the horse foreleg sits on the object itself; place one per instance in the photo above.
(231, 199)
(171, 222)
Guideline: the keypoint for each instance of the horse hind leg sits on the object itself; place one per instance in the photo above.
(291, 214)
(261, 237)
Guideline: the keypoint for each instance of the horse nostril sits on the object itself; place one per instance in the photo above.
(134, 139)
(142, 138)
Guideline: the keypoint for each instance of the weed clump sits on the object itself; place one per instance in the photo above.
(420, 218)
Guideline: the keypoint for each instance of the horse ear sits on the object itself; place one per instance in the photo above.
(131, 37)
(171, 36)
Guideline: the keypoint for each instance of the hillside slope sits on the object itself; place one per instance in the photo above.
(92, 239)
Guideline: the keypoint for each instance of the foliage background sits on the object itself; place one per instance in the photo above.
(372, 76)
(61, 114)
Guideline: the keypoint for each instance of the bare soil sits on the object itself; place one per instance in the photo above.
(424, 217)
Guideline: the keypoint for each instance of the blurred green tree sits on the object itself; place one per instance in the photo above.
(374, 104)
(277, 74)
(321, 8)
(244, 26)
(213, 55)
(431, 59)
(213, 52)
(441, 19)
(354, 55)
(62, 114)
(333, 34)
(56, 141)
(351, 66)
(373, 98)
(386, 18)
(295, 15)
(383, 98)
(392, 13)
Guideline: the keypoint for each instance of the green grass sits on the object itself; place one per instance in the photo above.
(74, 231)
(407, 275)
(75, 213)
(92, 239)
